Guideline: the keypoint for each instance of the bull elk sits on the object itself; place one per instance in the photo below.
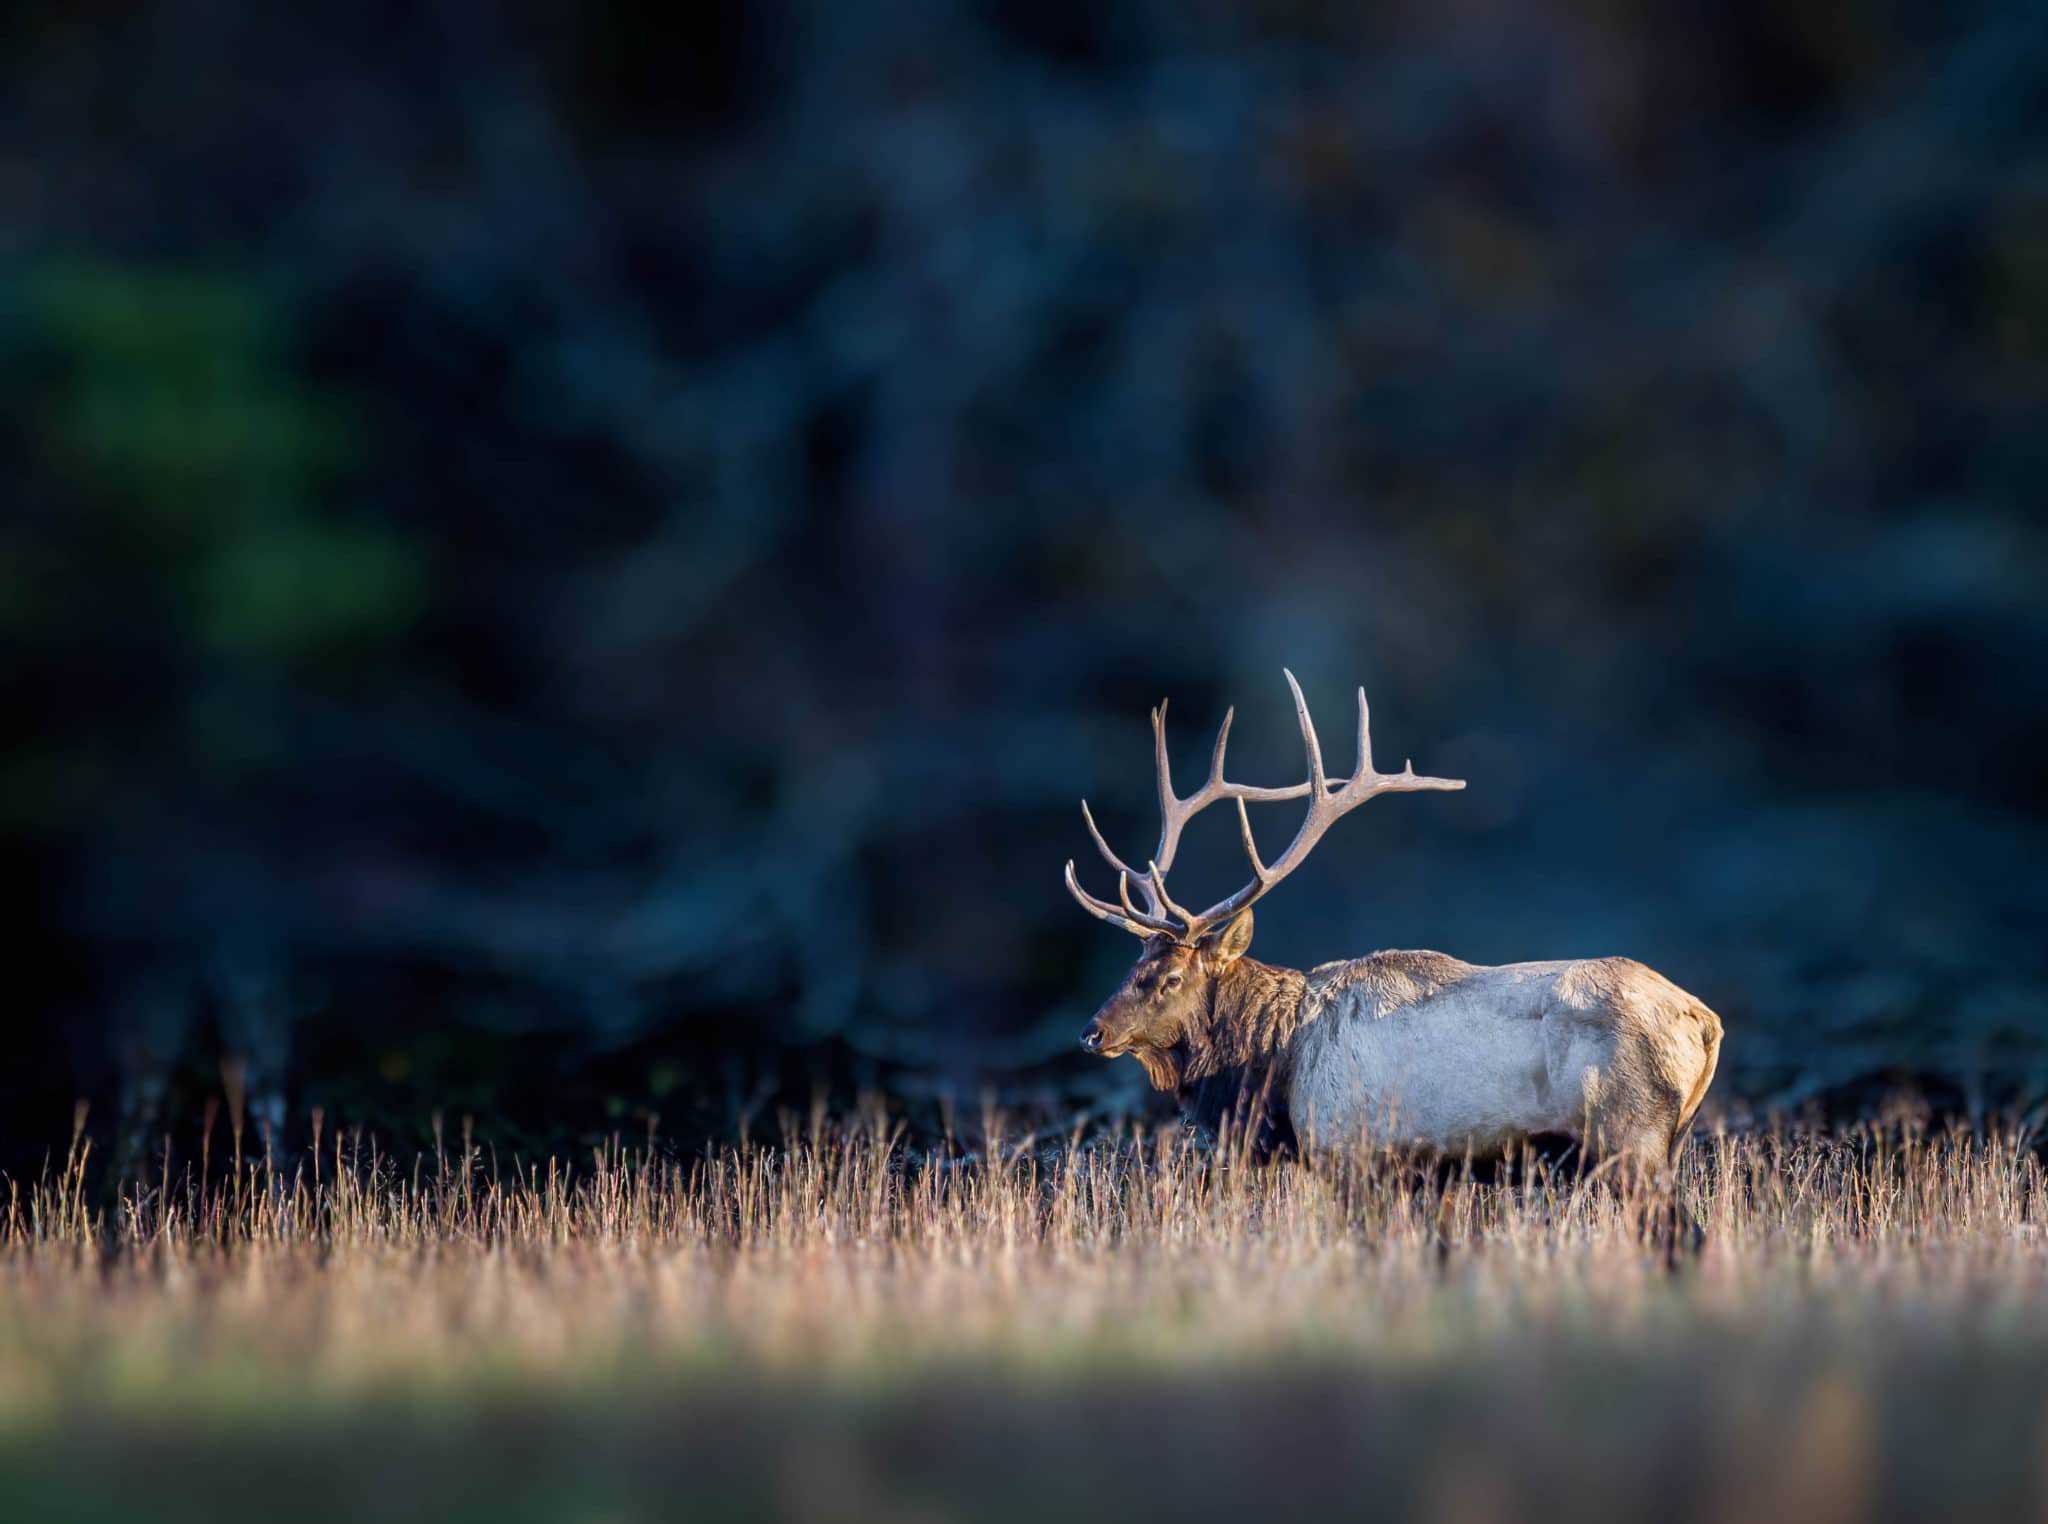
(1412, 1048)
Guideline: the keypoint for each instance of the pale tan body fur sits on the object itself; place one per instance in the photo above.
(1420, 1048)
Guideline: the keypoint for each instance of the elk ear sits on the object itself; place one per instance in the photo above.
(1233, 940)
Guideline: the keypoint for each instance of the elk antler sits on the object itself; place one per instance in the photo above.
(1327, 804)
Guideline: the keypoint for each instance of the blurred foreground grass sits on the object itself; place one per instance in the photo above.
(831, 1327)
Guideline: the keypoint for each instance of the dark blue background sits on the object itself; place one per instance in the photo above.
(575, 566)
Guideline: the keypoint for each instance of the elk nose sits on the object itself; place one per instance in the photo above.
(1091, 1039)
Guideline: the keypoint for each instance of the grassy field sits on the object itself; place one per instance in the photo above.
(830, 1327)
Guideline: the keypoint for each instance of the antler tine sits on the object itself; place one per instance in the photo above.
(1123, 894)
(1308, 739)
(1251, 847)
(1174, 812)
(1150, 920)
(1158, 875)
(1136, 922)
(1097, 908)
(1160, 765)
(1171, 818)
(1101, 846)
(1364, 737)
(1222, 740)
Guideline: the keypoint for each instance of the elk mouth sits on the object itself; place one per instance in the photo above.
(1162, 1065)
(1097, 1043)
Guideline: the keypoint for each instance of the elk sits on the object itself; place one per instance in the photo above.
(1405, 1048)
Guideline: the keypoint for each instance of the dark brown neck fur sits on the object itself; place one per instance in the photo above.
(1235, 1067)
(1253, 1011)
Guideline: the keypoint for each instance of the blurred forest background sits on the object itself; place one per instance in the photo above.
(571, 564)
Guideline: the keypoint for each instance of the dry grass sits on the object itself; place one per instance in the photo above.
(827, 1325)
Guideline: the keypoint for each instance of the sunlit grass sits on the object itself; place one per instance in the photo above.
(1848, 1280)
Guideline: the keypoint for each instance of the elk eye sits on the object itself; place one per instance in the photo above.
(1172, 981)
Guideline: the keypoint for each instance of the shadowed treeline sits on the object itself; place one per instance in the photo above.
(565, 569)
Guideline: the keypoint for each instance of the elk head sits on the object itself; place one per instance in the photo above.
(1164, 1002)
(1172, 987)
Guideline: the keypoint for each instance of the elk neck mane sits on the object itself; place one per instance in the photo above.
(1232, 1061)
(1254, 1009)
